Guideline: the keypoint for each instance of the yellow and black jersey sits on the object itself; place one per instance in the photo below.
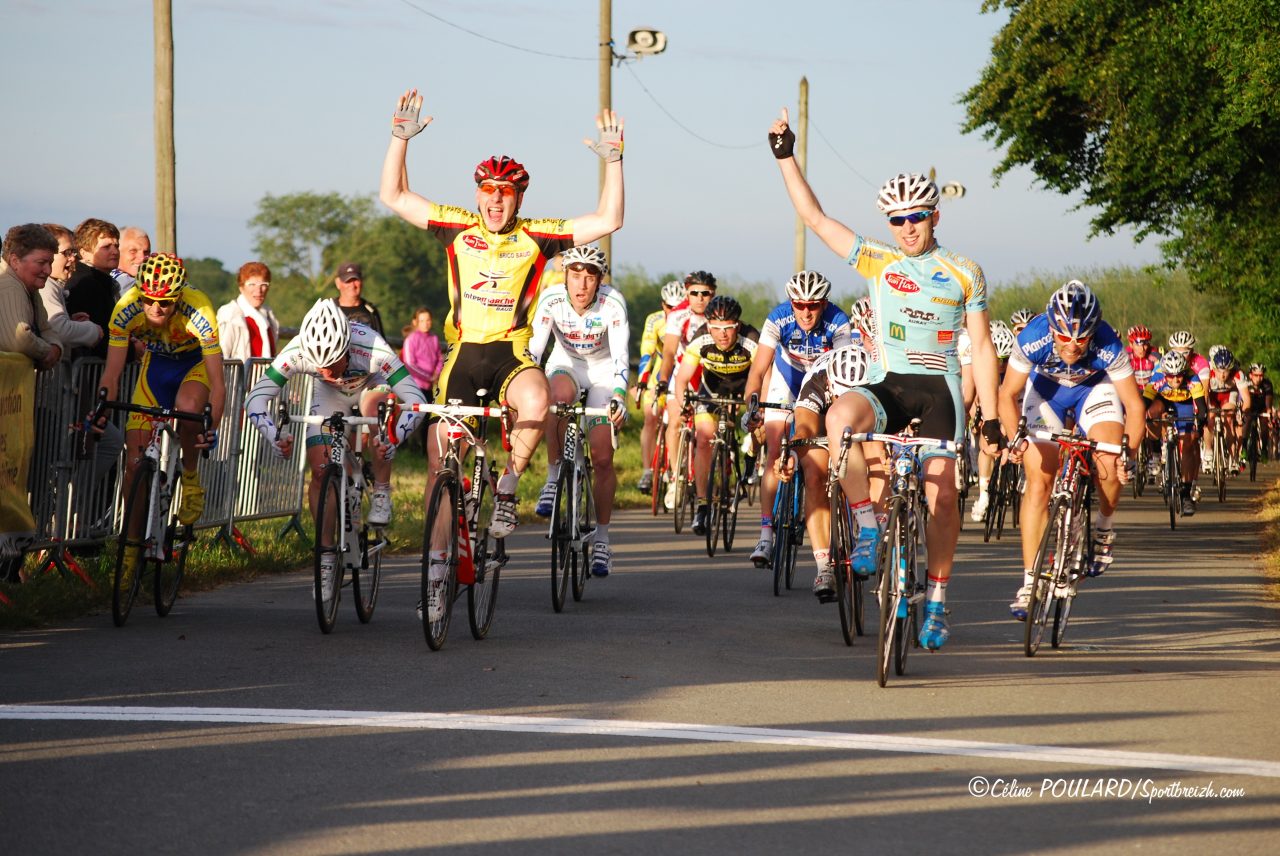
(723, 373)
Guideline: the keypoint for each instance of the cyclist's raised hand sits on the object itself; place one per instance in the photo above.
(782, 139)
(405, 122)
(609, 146)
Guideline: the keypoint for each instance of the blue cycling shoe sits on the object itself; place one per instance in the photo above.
(934, 633)
(863, 557)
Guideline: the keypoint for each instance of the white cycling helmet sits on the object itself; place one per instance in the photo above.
(1213, 352)
(673, 293)
(1173, 363)
(325, 334)
(860, 312)
(1182, 340)
(849, 366)
(808, 285)
(1002, 339)
(587, 255)
(907, 190)
(1021, 317)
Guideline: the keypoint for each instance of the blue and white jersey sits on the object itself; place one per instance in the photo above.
(794, 350)
(1033, 350)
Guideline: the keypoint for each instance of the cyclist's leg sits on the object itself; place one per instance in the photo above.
(523, 386)
(817, 518)
(1103, 421)
(648, 435)
(600, 438)
(564, 389)
(862, 412)
(704, 428)
(775, 428)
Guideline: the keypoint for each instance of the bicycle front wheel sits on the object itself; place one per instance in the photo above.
(680, 473)
(168, 571)
(733, 493)
(328, 528)
(563, 556)
(1251, 448)
(660, 477)
(716, 488)
(586, 524)
(1220, 464)
(367, 579)
(841, 547)
(1172, 479)
(1051, 558)
(888, 591)
(131, 552)
(440, 546)
(489, 555)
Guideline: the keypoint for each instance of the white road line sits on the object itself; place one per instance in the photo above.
(656, 730)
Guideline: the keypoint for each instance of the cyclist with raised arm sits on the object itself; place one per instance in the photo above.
(496, 264)
(181, 366)
(921, 294)
(719, 359)
(1175, 389)
(682, 324)
(796, 332)
(589, 324)
(646, 392)
(351, 365)
(1069, 359)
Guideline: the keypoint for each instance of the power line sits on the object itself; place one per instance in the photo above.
(838, 155)
(680, 124)
(483, 37)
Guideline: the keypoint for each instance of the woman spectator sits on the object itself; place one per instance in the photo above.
(247, 326)
(422, 351)
(74, 330)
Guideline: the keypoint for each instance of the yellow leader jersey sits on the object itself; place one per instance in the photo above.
(495, 280)
(193, 327)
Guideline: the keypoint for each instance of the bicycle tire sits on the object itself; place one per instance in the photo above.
(1220, 463)
(734, 492)
(168, 572)
(1049, 559)
(581, 569)
(444, 501)
(1251, 448)
(797, 529)
(995, 498)
(127, 579)
(329, 503)
(1172, 478)
(366, 580)
(907, 635)
(563, 556)
(841, 562)
(658, 491)
(963, 468)
(679, 473)
(781, 534)
(489, 555)
(889, 624)
(715, 496)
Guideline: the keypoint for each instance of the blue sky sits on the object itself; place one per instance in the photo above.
(282, 96)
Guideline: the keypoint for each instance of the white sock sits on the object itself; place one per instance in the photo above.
(766, 532)
(508, 482)
(937, 590)
(1103, 521)
(1027, 576)
(602, 533)
(864, 513)
(821, 557)
(553, 472)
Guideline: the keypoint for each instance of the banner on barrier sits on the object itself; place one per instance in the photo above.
(17, 437)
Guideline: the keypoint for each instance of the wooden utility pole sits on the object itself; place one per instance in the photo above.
(166, 237)
(802, 151)
(606, 97)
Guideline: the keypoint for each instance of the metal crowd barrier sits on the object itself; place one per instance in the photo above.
(77, 508)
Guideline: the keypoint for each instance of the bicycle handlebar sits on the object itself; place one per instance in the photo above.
(1067, 438)
(205, 417)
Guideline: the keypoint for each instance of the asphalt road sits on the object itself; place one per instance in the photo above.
(680, 707)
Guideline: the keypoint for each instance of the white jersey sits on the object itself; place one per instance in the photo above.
(598, 336)
(370, 362)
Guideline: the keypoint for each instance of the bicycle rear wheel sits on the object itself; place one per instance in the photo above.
(1050, 559)
(366, 580)
(131, 552)
(841, 564)
(442, 535)
(328, 528)
(169, 571)
(563, 556)
(489, 555)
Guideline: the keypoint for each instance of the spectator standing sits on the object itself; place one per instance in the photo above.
(422, 351)
(350, 285)
(26, 262)
(247, 326)
(90, 289)
(75, 331)
(135, 246)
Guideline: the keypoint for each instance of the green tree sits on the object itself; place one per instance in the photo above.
(209, 276)
(1163, 115)
(292, 231)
